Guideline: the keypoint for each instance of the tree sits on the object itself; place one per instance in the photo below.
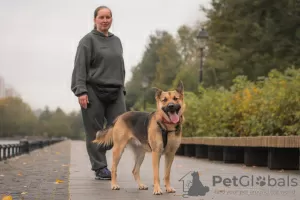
(252, 37)
(16, 117)
(159, 65)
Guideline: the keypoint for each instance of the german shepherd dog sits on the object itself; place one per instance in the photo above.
(158, 132)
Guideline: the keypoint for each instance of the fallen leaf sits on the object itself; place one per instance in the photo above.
(20, 174)
(58, 181)
(7, 197)
(57, 152)
(178, 194)
(24, 192)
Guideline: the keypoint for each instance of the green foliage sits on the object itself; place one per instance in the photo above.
(268, 107)
(191, 126)
(251, 38)
(18, 119)
(57, 123)
(208, 113)
(159, 65)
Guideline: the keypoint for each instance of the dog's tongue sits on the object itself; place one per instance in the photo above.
(174, 117)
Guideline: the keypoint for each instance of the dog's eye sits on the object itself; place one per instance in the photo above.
(164, 99)
(175, 98)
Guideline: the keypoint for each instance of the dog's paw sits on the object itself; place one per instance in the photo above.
(170, 190)
(157, 190)
(143, 187)
(115, 187)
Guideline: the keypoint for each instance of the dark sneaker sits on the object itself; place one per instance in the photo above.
(103, 174)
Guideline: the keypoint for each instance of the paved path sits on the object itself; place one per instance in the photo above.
(38, 176)
(83, 185)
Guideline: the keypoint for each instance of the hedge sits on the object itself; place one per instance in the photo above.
(267, 107)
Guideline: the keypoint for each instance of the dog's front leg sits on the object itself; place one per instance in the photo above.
(155, 165)
(169, 157)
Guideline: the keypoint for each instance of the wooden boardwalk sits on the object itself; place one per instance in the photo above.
(83, 186)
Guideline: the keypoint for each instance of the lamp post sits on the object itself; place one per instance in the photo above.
(145, 83)
(203, 37)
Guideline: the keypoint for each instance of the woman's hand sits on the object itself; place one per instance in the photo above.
(83, 100)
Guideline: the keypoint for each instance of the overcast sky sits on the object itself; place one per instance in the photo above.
(38, 40)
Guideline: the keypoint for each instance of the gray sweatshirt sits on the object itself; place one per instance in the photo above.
(98, 60)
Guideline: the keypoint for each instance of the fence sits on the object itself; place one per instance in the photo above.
(274, 152)
(11, 150)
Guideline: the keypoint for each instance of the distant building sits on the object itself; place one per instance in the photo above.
(2, 87)
(10, 92)
(6, 90)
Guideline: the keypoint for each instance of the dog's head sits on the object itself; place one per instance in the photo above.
(170, 104)
(195, 175)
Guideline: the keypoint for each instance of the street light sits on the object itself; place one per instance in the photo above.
(145, 84)
(203, 37)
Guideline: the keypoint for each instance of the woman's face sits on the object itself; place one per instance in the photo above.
(103, 20)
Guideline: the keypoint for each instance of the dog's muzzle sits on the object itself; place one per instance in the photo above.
(171, 111)
(172, 107)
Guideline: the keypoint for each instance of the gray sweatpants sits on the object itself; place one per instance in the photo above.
(93, 120)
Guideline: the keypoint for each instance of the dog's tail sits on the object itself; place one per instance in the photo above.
(104, 137)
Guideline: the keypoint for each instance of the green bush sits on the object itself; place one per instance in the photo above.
(268, 107)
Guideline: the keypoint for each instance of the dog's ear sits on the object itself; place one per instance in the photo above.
(157, 92)
(180, 87)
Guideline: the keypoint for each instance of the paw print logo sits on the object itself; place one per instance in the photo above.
(261, 181)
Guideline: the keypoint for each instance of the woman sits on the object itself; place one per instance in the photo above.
(98, 82)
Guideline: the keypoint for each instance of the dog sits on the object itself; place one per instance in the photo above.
(158, 132)
(197, 187)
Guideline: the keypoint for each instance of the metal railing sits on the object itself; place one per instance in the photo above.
(12, 150)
